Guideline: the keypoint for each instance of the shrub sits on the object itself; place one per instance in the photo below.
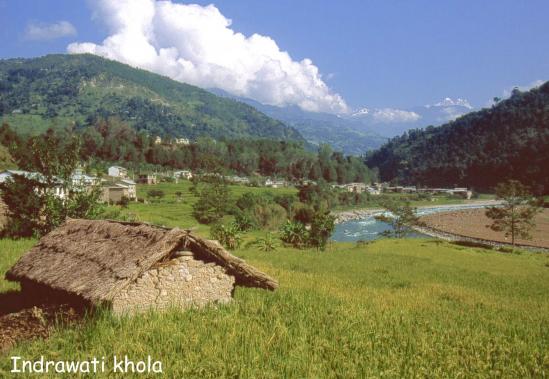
(268, 216)
(155, 194)
(302, 213)
(295, 234)
(267, 243)
(322, 227)
(227, 235)
(244, 221)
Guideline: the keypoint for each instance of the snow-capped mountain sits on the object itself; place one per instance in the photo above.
(365, 128)
(390, 122)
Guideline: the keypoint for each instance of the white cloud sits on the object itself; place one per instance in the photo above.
(196, 45)
(449, 102)
(391, 115)
(47, 32)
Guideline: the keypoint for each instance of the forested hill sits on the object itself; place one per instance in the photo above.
(61, 89)
(507, 141)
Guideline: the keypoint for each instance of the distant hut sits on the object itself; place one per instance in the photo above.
(132, 267)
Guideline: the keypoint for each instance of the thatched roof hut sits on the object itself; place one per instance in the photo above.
(134, 265)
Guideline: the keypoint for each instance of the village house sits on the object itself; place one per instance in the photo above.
(182, 141)
(113, 192)
(147, 179)
(183, 174)
(131, 268)
(276, 183)
(79, 179)
(118, 172)
(238, 179)
(58, 189)
(132, 190)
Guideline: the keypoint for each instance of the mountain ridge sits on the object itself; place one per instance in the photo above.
(510, 140)
(79, 88)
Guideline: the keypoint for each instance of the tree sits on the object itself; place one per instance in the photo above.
(322, 227)
(46, 195)
(402, 218)
(516, 216)
(213, 198)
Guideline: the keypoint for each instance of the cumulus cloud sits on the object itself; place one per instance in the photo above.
(391, 115)
(48, 32)
(195, 44)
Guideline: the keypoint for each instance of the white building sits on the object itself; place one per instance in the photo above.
(132, 192)
(182, 141)
(118, 172)
(183, 174)
(58, 189)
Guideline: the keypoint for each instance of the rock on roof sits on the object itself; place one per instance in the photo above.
(95, 259)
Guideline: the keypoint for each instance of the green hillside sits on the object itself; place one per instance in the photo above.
(507, 141)
(61, 89)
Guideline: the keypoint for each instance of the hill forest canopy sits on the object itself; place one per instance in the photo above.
(113, 140)
(62, 89)
(510, 140)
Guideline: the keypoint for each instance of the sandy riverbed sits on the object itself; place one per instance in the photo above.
(358, 214)
(473, 223)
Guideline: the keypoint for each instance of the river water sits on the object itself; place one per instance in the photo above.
(368, 228)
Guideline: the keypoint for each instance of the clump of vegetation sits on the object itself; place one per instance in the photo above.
(227, 235)
(516, 216)
(294, 234)
(213, 198)
(259, 211)
(155, 195)
(39, 202)
(322, 227)
(268, 243)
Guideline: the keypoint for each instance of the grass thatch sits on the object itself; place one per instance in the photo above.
(95, 259)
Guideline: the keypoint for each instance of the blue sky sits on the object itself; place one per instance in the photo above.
(371, 53)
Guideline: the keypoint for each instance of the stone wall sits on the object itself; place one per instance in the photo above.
(180, 282)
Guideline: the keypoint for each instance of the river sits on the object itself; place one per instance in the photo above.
(367, 228)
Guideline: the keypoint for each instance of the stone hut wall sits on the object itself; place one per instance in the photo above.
(180, 282)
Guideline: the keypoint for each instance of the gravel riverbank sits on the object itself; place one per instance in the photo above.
(359, 214)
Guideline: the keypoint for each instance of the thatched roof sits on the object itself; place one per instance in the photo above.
(96, 259)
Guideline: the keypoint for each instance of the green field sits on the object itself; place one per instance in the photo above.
(391, 308)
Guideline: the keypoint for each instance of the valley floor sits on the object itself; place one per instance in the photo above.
(396, 308)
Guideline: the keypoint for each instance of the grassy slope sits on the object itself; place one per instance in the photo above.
(60, 89)
(396, 308)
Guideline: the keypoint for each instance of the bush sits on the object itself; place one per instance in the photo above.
(244, 221)
(268, 216)
(267, 243)
(155, 194)
(303, 213)
(295, 234)
(259, 211)
(322, 228)
(227, 235)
